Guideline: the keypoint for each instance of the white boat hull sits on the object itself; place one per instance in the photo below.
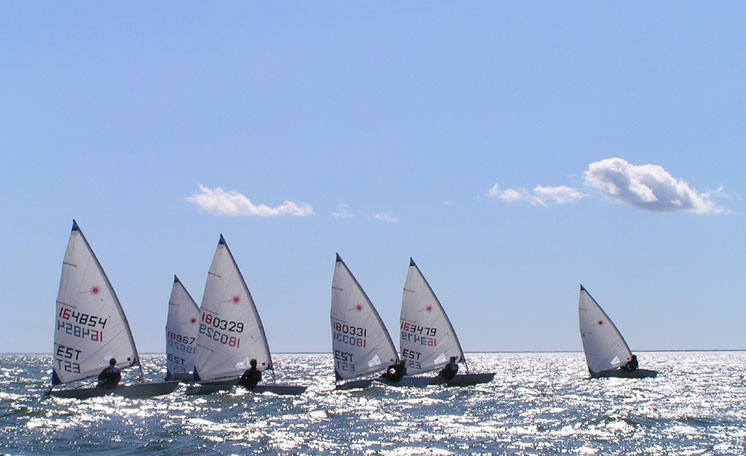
(623, 373)
(133, 391)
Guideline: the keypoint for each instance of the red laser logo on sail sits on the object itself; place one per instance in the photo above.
(94, 290)
(359, 307)
(235, 300)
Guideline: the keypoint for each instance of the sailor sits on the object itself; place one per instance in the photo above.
(396, 371)
(251, 376)
(450, 369)
(110, 376)
(631, 364)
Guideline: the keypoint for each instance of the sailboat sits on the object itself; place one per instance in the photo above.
(360, 342)
(91, 329)
(427, 338)
(181, 333)
(606, 351)
(230, 332)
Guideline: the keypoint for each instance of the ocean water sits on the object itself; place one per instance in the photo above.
(538, 404)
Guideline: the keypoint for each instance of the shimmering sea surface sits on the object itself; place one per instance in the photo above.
(538, 404)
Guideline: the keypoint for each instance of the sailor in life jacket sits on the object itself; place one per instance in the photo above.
(110, 376)
(449, 370)
(396, 371)
(251, 376)
(631, 364)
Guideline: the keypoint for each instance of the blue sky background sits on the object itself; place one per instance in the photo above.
(476, 138)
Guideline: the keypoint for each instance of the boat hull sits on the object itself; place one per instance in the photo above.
(185, 378)
(622, 373)
(276, 388)
(458, 380)
(355, 384)
(133, 391)
(410, 382)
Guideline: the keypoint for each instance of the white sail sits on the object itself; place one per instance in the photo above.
(90, 325)
(604, 346)
(427, 338)
(230, 330)
(360, 342)
(181, 331)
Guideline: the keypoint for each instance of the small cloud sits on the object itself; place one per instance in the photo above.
(539, 196)
(343, 212)
(384, 217)
(557, 195)
(448, 203)
(649, 187)
(233, 204)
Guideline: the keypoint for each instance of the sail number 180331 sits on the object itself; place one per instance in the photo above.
(349, 329)
(349, 335)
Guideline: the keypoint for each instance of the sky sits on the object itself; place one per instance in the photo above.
(513, 149)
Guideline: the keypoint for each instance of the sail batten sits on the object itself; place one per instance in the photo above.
(360, 342)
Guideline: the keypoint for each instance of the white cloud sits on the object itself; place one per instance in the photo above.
(343, 212)
(539, 196)
(649, 187)
(384, 217)
(219, 202)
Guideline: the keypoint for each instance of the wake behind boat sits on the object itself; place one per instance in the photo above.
(91, 329)
(427, 340)
(230, 334)
(606, 351)
(360, 342)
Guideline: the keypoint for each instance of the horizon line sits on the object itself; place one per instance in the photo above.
(703, 350)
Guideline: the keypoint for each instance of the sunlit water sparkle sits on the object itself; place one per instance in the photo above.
(538, 404)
